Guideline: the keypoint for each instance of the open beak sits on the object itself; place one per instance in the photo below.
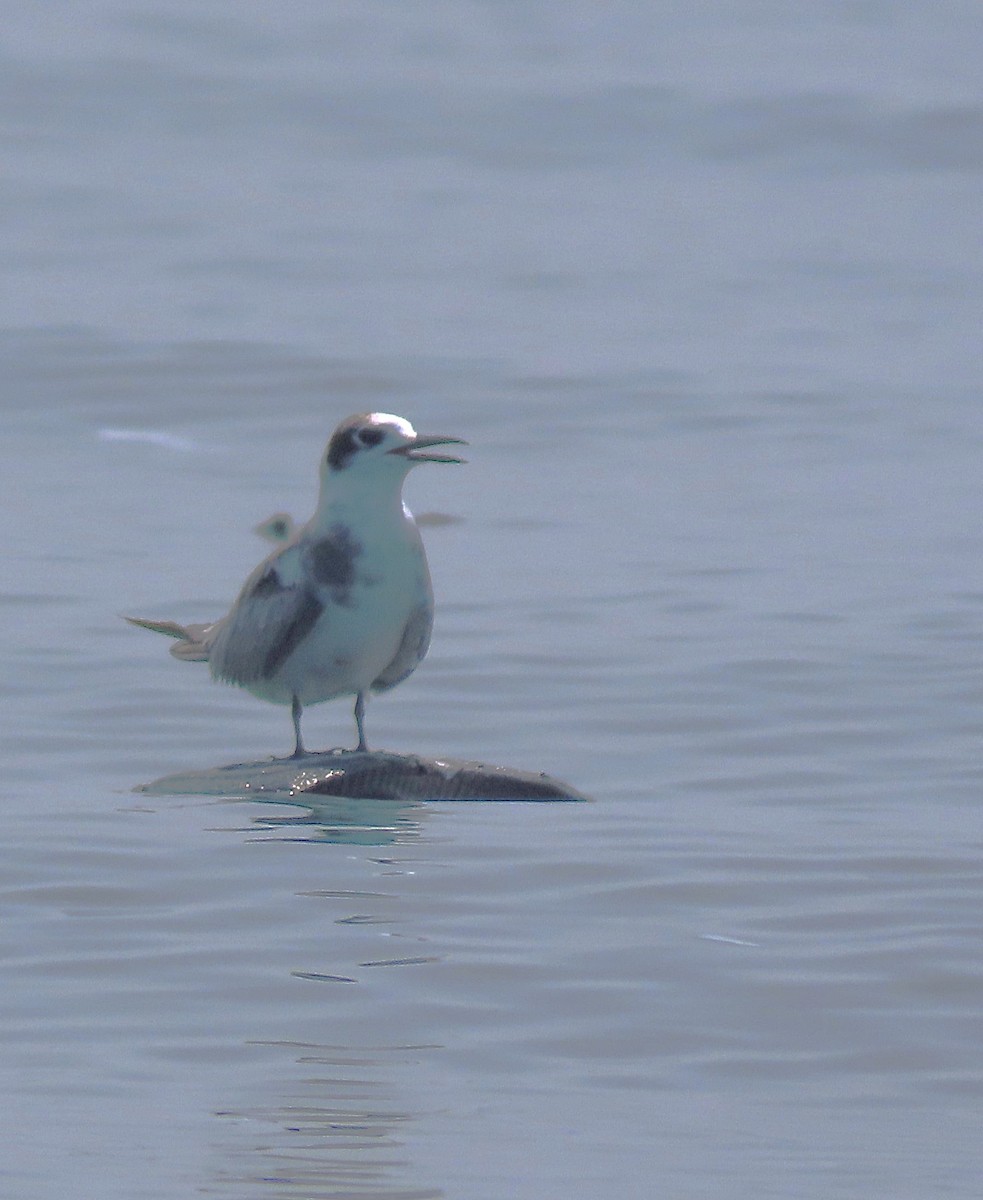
(423, 442)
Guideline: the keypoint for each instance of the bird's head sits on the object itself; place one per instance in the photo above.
(381, 445)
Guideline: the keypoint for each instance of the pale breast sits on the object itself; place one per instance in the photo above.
(375, 623)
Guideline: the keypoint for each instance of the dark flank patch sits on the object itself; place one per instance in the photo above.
(412, 647)
(332, 561)
(309, 608)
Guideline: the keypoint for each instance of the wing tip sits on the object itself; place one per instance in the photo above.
(168, 628)
(188, 645)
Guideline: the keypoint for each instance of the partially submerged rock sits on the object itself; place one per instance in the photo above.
(383, 776)
(368, 775)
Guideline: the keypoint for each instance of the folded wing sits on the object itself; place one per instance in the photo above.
(263, 628)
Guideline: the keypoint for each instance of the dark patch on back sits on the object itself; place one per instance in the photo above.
(309, 608)
(268, 584)
(332, 561)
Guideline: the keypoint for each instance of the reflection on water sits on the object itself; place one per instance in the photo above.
(347, 822)
(337, 1134)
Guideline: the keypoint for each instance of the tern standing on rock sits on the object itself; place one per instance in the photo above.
(346, 605)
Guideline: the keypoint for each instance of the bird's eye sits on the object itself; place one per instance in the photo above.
(370, 437)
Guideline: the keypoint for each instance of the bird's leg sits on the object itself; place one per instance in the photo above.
(296, 708)
(359, 721)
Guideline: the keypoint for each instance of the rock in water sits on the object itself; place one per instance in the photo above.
(368, 775)
(381, 776)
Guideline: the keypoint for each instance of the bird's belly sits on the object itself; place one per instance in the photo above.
(348, 647)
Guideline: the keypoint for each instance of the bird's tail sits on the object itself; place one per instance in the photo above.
(192, 645)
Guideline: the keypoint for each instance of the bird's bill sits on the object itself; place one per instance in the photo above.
(411, 450)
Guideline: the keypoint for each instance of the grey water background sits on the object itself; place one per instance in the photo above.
(701, 284)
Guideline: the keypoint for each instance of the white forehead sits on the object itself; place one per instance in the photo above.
(401, 423)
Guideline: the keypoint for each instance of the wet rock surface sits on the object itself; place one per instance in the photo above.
(369, 775)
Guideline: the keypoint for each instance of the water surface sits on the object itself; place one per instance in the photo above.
(701, 286)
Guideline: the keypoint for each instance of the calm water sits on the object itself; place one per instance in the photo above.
(702, 284)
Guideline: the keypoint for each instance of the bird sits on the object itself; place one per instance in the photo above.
(346, 606)
(279, 528)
